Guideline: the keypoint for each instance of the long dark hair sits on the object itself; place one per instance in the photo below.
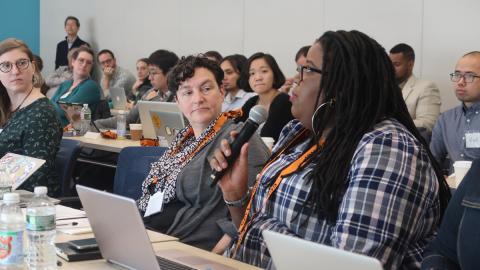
(360, 78)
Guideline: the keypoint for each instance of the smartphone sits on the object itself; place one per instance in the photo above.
(84, 244)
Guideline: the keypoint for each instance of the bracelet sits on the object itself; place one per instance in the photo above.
(240, 202)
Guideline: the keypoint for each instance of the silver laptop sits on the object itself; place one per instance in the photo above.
(122, 238)
(119, 99)
(160, 119)
(290, 252)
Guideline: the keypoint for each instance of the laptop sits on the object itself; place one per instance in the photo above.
(290, 252)
(119, 99)
(160, 119)
(122, 238)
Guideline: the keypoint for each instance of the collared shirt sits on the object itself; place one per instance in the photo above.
(121, 78)
(231, 103)
(70, 42)
(448, 135)
(389, 211)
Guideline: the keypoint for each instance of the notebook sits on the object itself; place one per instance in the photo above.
(122, 238)
(290, 252)
(119, 99)
(160, 119)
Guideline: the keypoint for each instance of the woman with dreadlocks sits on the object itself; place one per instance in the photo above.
(351, 171)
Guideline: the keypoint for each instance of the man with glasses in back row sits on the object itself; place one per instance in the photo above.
(456, 134)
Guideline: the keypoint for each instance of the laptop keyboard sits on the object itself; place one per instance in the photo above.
(166, 264)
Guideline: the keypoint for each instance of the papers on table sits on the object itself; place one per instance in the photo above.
(74, 226)
(64, 213)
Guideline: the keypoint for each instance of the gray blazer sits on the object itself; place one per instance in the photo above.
(203, 220)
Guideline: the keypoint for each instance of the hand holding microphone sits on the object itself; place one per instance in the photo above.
(257, 116)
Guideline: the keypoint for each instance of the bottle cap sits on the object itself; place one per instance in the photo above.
(85, 105)
(11, 198)
(40, 190)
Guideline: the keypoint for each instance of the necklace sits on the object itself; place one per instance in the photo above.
(23, 101)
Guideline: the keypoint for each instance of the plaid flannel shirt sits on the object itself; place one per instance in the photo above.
(389, 211)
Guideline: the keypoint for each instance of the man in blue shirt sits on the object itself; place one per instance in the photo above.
(456, 134)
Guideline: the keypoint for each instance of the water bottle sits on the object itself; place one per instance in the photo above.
(121, 124)
(41, 232)
(85, 116)
(12, 225)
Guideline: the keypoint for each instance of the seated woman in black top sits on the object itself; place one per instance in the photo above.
(265, 78)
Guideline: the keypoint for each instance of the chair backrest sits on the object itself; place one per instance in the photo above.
(65, 163)
(133, 166)
(102, 111)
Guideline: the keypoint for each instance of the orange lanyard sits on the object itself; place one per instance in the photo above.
(218, 125)
(292, 167)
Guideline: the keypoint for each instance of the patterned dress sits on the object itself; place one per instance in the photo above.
(35, 131)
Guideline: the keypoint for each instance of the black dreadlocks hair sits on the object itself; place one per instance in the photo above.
(359, 76)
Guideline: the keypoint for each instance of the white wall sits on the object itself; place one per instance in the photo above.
(440, 31)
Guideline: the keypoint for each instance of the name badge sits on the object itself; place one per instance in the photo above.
(155, 204)
(472, 140)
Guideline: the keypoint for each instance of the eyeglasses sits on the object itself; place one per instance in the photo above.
(21, 64)
(83, 61)
(467, 77)
(307, 69)
(106, 62)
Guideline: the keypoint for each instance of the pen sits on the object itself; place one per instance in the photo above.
(65, 224)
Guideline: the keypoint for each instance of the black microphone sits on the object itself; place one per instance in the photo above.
(257, 116)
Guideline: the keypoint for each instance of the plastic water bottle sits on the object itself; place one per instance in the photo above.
(41, 232)
(12, 225)
(86, 117)
(121, 124)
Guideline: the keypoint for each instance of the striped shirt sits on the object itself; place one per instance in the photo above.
(389, 211)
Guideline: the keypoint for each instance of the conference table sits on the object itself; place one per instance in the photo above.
(109, 145)
(162, 244)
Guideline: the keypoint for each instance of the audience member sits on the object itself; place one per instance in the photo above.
(159, 64)
(72, 40)
(265, 77)
(113, 75)
(214, 56)
(457, 131)
(40, 83)
(456, 245)
(422, 97)
(352, 172)
(80, 89)
(61, 74)
(192, 210)
(142, 84)
(300, 59)
(233, 82)
(28, 123)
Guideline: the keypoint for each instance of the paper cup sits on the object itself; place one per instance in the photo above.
(136, 131)
(461, 168)
(269, 142)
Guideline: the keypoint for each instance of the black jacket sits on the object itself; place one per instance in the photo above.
(62, 51)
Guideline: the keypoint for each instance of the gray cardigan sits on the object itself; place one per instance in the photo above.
(203, 220)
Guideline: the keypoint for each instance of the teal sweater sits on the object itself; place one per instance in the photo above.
(87, 92)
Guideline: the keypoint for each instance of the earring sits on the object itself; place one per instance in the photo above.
(330, 103)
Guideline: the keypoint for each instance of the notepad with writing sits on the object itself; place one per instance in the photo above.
(66, 252)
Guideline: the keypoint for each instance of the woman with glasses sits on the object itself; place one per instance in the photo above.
(351, 171)
(80, 89)
(28, 123)
(265, 78)
(180, 180)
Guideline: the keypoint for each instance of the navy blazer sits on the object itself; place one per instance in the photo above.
(62, 51)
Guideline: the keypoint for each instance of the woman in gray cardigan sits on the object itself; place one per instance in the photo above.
(176, 194)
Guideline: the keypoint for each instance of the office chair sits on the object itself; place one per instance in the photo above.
(65, 163)
(133, 166)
